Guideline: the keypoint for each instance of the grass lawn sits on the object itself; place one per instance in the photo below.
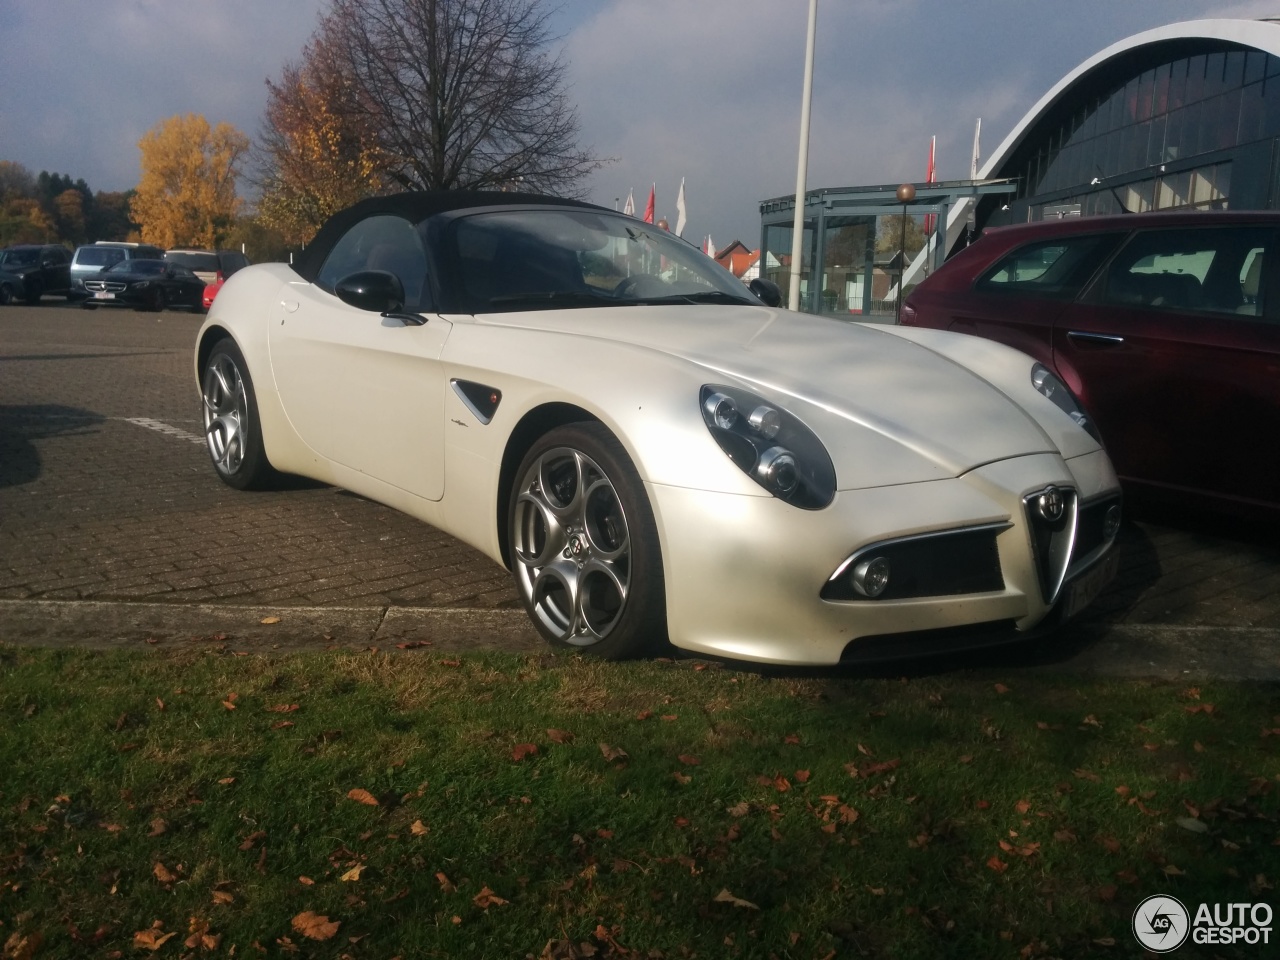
(408, 804)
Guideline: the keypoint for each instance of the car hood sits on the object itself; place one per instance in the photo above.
(943, 418)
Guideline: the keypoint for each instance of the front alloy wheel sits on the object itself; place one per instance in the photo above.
(231, 425)
(584, 547)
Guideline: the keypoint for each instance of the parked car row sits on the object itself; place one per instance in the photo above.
(110, 272)
(1164, 326)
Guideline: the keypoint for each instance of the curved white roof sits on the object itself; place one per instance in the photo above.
(1262, 35)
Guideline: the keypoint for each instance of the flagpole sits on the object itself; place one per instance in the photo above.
(802, 164)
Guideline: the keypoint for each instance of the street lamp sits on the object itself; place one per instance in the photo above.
(802, 167)
(906, 193)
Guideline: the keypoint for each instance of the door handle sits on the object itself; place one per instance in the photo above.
(1097, 339)
(290, 306)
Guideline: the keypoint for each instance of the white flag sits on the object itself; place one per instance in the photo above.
(711, 247)
(680, 212)
(630, 207)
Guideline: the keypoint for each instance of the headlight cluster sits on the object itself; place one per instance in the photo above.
(770, 446)
(1048, 384)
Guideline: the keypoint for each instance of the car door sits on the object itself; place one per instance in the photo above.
(1178, 354)
(1018, 299)
(364, 389)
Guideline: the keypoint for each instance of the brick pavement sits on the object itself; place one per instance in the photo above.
(107, 497)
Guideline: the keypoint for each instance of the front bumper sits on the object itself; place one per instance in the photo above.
(744, 575)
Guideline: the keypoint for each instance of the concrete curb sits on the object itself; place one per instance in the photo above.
(1111, 650)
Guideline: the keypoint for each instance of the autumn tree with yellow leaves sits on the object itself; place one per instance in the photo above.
(187, 194)
(315, 155)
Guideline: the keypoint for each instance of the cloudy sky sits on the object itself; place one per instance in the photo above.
(705, 90)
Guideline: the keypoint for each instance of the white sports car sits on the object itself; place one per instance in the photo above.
(653, 450)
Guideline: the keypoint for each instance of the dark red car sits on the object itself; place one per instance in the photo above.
(1166, 326)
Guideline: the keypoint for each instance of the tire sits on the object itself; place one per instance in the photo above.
(6, 294)
(584, 546)
(34, 293)
(232, 428)
(156, 300)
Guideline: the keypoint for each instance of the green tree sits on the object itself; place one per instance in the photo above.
(187, 194)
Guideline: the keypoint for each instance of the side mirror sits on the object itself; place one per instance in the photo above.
(767, 291)
(374, 290)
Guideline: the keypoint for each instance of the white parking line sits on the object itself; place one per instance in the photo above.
(161, 427)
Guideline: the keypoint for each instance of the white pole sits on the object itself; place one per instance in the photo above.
(802, 165)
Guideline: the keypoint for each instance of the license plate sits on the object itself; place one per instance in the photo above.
(1083, 590)
(103, 295)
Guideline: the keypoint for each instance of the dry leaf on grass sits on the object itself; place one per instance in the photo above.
(418, 828)
(315, 927)
(353, 874)
(486, 898)
(724, 896)
(522, 750)
(153, 938)
(269, 620)
(360, 795)
(612, 753)
(559, 736)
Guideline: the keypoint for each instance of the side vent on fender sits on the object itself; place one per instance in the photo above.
(480, 400)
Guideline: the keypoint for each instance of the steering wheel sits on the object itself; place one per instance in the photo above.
(640, 286)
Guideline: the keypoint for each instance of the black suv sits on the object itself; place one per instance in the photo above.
(30, 270)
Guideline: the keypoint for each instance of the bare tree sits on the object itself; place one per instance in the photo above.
(458, 93)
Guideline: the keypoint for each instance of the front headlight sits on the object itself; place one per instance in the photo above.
(1048, 384)
(770, 446)
(142, 284)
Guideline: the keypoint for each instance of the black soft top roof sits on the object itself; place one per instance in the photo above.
(415, 207)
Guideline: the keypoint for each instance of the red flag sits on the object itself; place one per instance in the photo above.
(648, 207)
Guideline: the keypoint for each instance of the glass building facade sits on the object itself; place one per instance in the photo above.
(1182, 124)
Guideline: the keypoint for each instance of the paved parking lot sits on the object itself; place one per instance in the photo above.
(114, 528)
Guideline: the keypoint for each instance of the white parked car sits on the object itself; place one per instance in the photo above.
(651, 449)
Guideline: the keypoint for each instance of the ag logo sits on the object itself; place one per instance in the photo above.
(1161, 924)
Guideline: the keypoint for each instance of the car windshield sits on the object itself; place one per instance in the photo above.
(552, 258)
(19, 258)
(137, 266)
(99, 256)
(202, 262)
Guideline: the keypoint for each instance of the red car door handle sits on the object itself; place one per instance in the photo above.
(1097, 339)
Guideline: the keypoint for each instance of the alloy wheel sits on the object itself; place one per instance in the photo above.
(572, 547)
(226, 413)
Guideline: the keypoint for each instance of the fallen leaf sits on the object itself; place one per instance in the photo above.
(360, 795)
(152, 938)
(306, 881)
(681, 778)
(739, 809)
(1088, 775)
(227, 781)
(353, 874)
(446, 886)
(688, 760)
(1022, 806)
(418, 828)
(1001, 688)
(724, 896)
(22, 946)
(158, 826)
(802, 776)
(269, 620)
(282, 708)
(522, 750)
(1171, 871)
(282, 724)
(996, 864)
(313, 926)
(249, 842)
(162, 873)
(612, 753)
(1192, 824)
(222, 897)
(413, 644)
(559, 736)
(486, 898)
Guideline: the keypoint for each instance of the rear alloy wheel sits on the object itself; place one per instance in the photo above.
(6, 294)
(156, 300)
(584, 547)
(34, 292)
(232, 428)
